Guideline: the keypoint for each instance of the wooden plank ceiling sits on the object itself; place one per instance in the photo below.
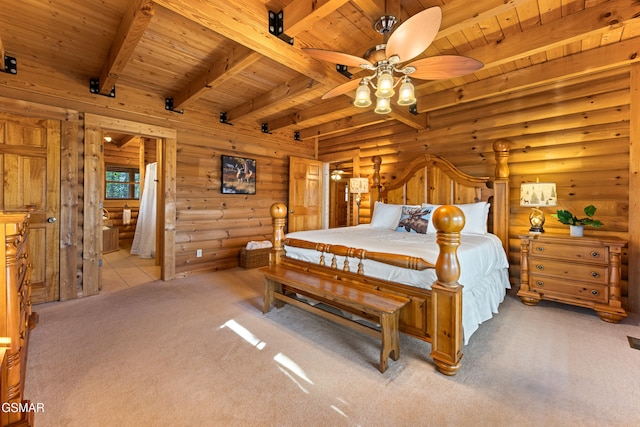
(219, 56)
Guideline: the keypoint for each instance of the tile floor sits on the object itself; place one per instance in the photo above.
(121, 270)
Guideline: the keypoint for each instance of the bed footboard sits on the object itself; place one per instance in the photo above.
(442, 312)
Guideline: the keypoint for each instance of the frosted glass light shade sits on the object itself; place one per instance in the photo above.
(385, 86)
(407, 93)
(383, 106)
(363, 95)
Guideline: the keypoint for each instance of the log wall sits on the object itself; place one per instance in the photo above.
(574, 133)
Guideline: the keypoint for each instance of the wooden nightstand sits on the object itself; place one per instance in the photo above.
(582, 271)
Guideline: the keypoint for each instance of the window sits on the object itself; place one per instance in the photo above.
(122, 183)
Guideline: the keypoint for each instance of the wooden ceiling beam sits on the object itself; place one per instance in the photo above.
(299, 15)
(246, 23)
(572, 28)
(125, 140)
(134, 23)
(220, 71)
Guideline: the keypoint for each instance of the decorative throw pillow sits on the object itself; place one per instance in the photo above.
(414, 219)
(386, 216)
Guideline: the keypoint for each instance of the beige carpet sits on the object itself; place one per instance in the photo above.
(199, 352)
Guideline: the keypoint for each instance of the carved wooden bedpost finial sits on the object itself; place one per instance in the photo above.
(446, 292)
(279, 218)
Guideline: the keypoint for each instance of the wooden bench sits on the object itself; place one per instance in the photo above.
(362, 301)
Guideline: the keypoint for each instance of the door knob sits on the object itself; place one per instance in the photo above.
(51, 219)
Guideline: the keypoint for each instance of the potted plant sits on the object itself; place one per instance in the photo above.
(576, 225)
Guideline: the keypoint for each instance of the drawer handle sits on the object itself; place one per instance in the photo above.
(595, 254)
(595, 293)
(540, 283)
(540, 267)
(595, 274)
(539, 249)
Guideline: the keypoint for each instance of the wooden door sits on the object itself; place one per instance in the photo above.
(305, 194)
(30, 165)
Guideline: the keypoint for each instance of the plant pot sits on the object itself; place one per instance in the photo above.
(576, 230)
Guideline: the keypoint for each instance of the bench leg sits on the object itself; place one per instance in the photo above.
(390, 338)
(270, 286)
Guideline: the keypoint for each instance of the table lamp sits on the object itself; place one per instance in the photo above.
(536, 195)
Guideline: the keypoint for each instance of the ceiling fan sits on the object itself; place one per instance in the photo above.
(385, 60)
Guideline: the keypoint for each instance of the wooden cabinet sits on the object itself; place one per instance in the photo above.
(16, 318)
(582, 271)
(110, 239)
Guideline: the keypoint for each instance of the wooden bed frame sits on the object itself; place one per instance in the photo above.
(432, 315)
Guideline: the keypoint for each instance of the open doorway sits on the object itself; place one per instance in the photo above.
(95, 128)
(129, 244)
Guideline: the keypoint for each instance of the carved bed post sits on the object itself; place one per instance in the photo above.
(279, 219)
(446, 292)
(375, 182)
(501, 192)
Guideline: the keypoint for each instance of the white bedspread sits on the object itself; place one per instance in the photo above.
(483, 264)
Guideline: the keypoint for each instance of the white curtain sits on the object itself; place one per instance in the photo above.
(144, 239)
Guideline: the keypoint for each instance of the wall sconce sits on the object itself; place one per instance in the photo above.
(536, 195)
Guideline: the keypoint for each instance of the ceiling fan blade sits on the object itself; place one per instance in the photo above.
(338, 57)
(343, 88)
(414, 35)
(444, 67)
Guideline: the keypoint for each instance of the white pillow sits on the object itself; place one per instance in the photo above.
(475, 215)
(386, 216)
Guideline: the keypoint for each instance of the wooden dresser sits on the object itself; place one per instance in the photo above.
(582, 271)
(16, 319)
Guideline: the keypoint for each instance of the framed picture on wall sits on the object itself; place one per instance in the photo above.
(238, 175)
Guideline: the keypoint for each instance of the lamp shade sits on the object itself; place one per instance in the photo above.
(363, 95)
(407, 93)
(386, 83)
(383, 106)
(537, 194)
(358, 185)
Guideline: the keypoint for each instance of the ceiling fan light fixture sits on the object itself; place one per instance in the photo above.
(407, 92)
(385, 85)
(363, 95)
(383, 106)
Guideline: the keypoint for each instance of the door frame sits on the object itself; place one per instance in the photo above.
(94, 127)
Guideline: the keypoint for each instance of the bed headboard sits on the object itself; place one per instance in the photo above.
(433, 179)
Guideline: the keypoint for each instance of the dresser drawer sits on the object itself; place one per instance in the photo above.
(592, 254)
(551, 287)
(593, 273)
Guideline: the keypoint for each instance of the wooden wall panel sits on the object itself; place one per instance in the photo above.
(222, 224)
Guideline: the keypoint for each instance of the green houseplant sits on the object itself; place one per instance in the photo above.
(568, 218)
